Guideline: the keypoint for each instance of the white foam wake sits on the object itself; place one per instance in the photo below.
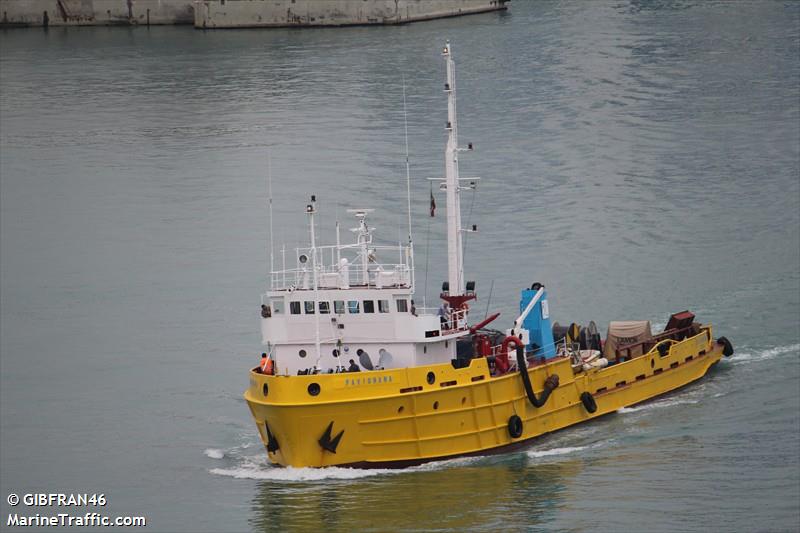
(767, 353)
(257, 467)
(554, 451)
(297, 474)
(214, 453)
(656, 405)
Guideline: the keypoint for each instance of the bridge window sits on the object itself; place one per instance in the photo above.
(369, 306)
(277, 306)
(294, 308)
(309, 308)
(402, 306)
(383, 306)
(338, 307)
(352, 307)
(324, 308)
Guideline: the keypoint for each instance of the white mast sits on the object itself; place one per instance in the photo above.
(271, 243)
(311, 210)
(455, 267)
(408, 193)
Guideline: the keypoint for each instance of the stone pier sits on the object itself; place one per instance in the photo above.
(21, 13)
(283, 13)
(234, 13)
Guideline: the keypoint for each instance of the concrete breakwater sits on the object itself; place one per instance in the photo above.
(21, 13)
(234, 13)
(281, 13)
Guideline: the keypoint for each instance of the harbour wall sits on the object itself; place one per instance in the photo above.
(21, 13)
(282, 13)
(234, 13)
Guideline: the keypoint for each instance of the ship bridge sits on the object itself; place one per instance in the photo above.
(352, 304)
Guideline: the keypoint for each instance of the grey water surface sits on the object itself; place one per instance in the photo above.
(638, 157)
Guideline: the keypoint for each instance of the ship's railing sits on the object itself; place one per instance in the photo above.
(331, 273)
(377, 276)
(453, 321)
(627, 352)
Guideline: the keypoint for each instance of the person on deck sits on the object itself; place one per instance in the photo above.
(444, 315)
(353, 367)
(266, 364)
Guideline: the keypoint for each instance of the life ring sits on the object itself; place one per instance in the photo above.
(727, 347)
(589, 402)
(515, 427)
(511, 338)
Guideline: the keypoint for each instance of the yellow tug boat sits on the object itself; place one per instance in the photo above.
(440, 388)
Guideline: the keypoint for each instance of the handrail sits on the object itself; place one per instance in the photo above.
(456, 318)
(654, 340)
(396, 275)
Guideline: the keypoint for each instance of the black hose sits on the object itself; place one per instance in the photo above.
(549, 384)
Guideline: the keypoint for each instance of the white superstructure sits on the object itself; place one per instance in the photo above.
(348, 305)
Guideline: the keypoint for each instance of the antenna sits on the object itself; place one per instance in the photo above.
(408, 187)
(311, 209)
(408, 169)
(269, 186)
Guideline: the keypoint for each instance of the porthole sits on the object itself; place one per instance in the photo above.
(400, 409)
(313, 389)
(652, 363)
(335, 352)
(435, 405)
(431, 378)
(265, 389)
(301, 353)
(463, 400)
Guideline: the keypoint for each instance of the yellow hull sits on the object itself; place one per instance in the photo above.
(397, 418)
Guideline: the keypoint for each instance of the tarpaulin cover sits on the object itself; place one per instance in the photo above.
(626, 332)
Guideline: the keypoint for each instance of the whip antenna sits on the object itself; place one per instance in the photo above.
(269, 188)
(408, 187)
(408, 169)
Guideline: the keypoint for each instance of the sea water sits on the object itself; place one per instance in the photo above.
(637, 157)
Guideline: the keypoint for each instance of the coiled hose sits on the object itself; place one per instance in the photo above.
(550, 384)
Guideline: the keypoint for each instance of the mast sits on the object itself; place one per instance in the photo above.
(408, 193)
(455, 253)
(271, 243)
(311, 210)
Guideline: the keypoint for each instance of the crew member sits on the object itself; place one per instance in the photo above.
(444, 315)
(266, 366)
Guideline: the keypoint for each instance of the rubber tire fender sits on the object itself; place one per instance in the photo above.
(589, 402)
(727, 347)
(515, 427)
(663, 349)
